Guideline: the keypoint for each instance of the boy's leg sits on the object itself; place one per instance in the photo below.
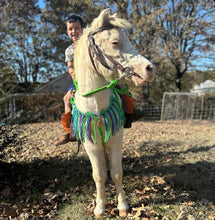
(66, 121)
(127, 106)
(131, 113)
(129, 110)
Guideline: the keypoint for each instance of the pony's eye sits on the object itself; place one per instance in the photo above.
(115, 43)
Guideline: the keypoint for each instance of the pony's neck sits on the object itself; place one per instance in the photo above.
(88, 82)
(96, 102)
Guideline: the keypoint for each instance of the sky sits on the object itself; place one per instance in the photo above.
(41, 4)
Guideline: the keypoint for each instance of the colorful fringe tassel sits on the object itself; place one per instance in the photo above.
(85, 124)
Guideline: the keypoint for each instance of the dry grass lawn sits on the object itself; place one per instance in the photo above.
(169, 173)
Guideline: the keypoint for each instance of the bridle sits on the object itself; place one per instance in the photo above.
(93, 48)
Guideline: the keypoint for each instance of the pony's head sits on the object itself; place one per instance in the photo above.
(110, 53)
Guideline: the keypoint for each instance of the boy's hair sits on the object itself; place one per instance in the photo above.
(74, 18)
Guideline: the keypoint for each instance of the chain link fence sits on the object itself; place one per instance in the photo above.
(27, 108)
(188, 106)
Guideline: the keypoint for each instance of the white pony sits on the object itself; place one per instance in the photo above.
(103, 57)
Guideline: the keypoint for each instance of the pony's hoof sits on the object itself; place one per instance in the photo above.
(123, 213)
(99, 211)
(98, 215)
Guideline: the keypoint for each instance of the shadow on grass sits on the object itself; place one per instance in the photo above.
(194, 181)
(24, 183)
(40, 188)
(41, 174)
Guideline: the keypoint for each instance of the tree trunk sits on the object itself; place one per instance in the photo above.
(179, 75)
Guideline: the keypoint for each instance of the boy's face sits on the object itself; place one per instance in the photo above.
(74, 30)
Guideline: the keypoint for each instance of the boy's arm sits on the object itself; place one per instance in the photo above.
(71, 70)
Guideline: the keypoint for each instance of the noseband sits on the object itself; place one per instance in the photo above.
(93, 48)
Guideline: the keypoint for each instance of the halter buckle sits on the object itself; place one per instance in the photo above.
(128, 72)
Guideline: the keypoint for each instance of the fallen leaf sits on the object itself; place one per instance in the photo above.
(147, 188)
(146, 196)
(139, 211)
(190, 217)
(90, 208)
(137, 154)
(9, 211)
(157, 179)
(212, 216)
(168, 160)
(190, 203)
(23, 216)
(153, 189)
(114, 212)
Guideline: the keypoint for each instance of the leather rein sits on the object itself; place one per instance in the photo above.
(93, 48)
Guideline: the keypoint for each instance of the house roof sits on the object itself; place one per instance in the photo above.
(59, 84)
(205, 86)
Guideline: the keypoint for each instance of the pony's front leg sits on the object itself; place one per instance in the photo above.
(98, 162)
(115, 158)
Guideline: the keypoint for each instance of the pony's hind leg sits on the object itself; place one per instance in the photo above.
(115, 158)
(97, 159)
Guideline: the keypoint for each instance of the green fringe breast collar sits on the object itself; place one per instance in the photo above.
(85, 124)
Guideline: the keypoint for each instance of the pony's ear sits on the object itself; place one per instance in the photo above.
(102, 19)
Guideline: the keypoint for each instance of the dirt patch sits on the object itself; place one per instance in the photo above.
(169, 172)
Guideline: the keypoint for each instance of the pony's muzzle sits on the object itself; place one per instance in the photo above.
(144, 73)
(149, 68)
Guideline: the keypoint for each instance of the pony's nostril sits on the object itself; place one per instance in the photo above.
(149, 68)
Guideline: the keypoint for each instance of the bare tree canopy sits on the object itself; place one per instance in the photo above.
(177, 35)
